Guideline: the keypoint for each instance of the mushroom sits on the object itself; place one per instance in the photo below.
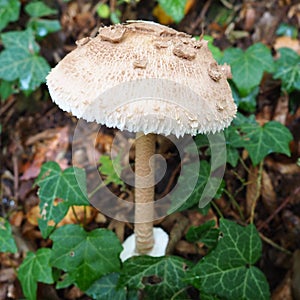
(141, 57)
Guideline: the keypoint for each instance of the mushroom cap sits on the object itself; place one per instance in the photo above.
(144, 77)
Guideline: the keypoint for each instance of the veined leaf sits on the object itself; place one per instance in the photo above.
(232, 261)
(9, 12)
(20, 60)
(173, 8)
(39, 9)
(248, 67)
(85, 256)
(107, 168)
(287, 68)
(159, 277)
(68, 185)
(35, 268)
(260, 141)
(106, 288)
(7, 242)
(205, 233)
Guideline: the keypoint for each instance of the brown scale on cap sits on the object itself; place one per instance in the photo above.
(127, 53)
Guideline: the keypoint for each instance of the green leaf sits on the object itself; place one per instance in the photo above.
(35, 268)
(260, 141)
(39, 9)
(68, 185)
(7, 242)
(103, 10)
(173, 8)
(43, 27)
(228, 270)
(111, 169)
(106, 288)
(247, 103)
(9, 12)
(159, 277)
(248, 67)
(287, 30)
(287, 68)
(20, 60)
(6, 89)
(184, 182)
(85, 256)
(205, 233)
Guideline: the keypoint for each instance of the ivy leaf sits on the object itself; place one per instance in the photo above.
(173, 8)
(9, 12)
(205, 233)
(111, 169)
(263, 140)
(39, 9)
(35, 268)
(106, 288)
(248, 67)
(247, 103)
(85, 256)
(20, 60)
(159, 277)
(287, 68)
(7, 242)
(43, 27)
(68, 185)
(184, 182)
(6, 89)
(228, 270)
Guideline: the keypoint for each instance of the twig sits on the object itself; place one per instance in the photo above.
(278, 209)
(273, 244)
(171, 181)
(235, 204)
(257, 194)
(217, 209)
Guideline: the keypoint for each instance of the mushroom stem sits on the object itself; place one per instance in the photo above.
(144, 192)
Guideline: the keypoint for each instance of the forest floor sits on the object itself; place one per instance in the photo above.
(35, 130)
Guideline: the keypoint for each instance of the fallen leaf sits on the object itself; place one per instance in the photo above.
(252, 191)
(49, 145)
(281, 109)
(269, 197)
(287, 42)
(16, 218)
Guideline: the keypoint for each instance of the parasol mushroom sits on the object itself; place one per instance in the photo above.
(139, 52)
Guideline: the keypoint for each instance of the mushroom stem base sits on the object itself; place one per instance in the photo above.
(161, 240)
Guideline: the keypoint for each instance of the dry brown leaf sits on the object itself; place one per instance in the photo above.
(252, 191)
(52, 147)
(296, 275)
(34, 214)
(16, 218)
(100, 218)
(281, 109)
(283, 291)
(287, 42)
(8, 275)
(268, 194)
(118, 227)
(248, 13)
(185, 248)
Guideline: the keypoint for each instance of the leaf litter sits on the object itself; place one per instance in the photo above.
(50, 139)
